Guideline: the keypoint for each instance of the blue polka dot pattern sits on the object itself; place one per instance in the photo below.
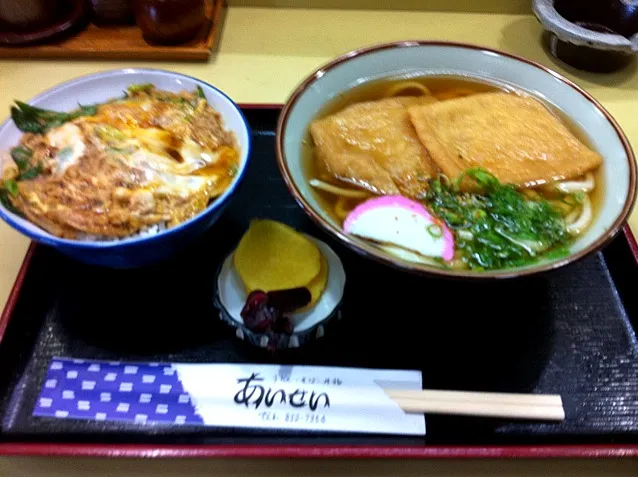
(113, 391)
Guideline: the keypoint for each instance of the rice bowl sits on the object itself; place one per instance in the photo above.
(155, 241)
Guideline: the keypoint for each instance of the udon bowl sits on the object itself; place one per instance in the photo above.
(419, 58)
(142, 250)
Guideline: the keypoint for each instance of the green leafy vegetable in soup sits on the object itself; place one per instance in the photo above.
(500, 227)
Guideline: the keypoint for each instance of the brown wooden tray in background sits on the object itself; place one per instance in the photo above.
(124, 42)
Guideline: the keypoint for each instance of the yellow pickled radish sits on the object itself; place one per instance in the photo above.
(317, 285)
(273, 256)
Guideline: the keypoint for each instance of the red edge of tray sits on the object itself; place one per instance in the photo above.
(319, 452)
(302, 451)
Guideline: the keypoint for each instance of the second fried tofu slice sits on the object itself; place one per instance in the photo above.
(514, 137)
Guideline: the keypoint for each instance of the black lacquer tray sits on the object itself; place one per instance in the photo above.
(569, 332)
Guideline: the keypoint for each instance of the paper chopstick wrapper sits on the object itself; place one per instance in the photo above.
(300, 398)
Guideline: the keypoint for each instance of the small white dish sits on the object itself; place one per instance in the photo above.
(230, 297)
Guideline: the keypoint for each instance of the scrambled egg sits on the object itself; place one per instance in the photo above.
(151, 158)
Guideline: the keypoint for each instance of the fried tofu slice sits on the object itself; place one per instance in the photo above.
(374, 146)
(516, 138)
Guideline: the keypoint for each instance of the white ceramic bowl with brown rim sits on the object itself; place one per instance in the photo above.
(422, 58)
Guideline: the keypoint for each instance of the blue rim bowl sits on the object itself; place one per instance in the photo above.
(136, 251)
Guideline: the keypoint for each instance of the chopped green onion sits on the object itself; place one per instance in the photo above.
(499, 227)
(21, 156)
(12, 187)
(31, 173)
(140, 88)
(6, 202)
(435, 230)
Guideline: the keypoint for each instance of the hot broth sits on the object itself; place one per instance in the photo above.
(576, 203)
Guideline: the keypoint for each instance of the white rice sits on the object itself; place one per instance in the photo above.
(149, 231)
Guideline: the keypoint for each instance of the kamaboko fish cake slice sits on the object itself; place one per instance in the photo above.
(273, 256)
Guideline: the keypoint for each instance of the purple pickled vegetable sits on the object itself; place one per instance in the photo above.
(264, 312)
(289, 300)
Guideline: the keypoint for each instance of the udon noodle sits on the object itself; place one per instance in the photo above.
(412, 88)
(574, 199)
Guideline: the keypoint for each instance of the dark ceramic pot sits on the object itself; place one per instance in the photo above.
(591, 35)
(112, 11)
(170, 21)
(27, 14)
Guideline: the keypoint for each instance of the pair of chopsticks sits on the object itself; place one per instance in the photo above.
(462, 403)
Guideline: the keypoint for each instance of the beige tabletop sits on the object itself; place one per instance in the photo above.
(262, 55)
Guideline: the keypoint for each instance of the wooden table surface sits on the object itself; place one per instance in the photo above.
(46, 467)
